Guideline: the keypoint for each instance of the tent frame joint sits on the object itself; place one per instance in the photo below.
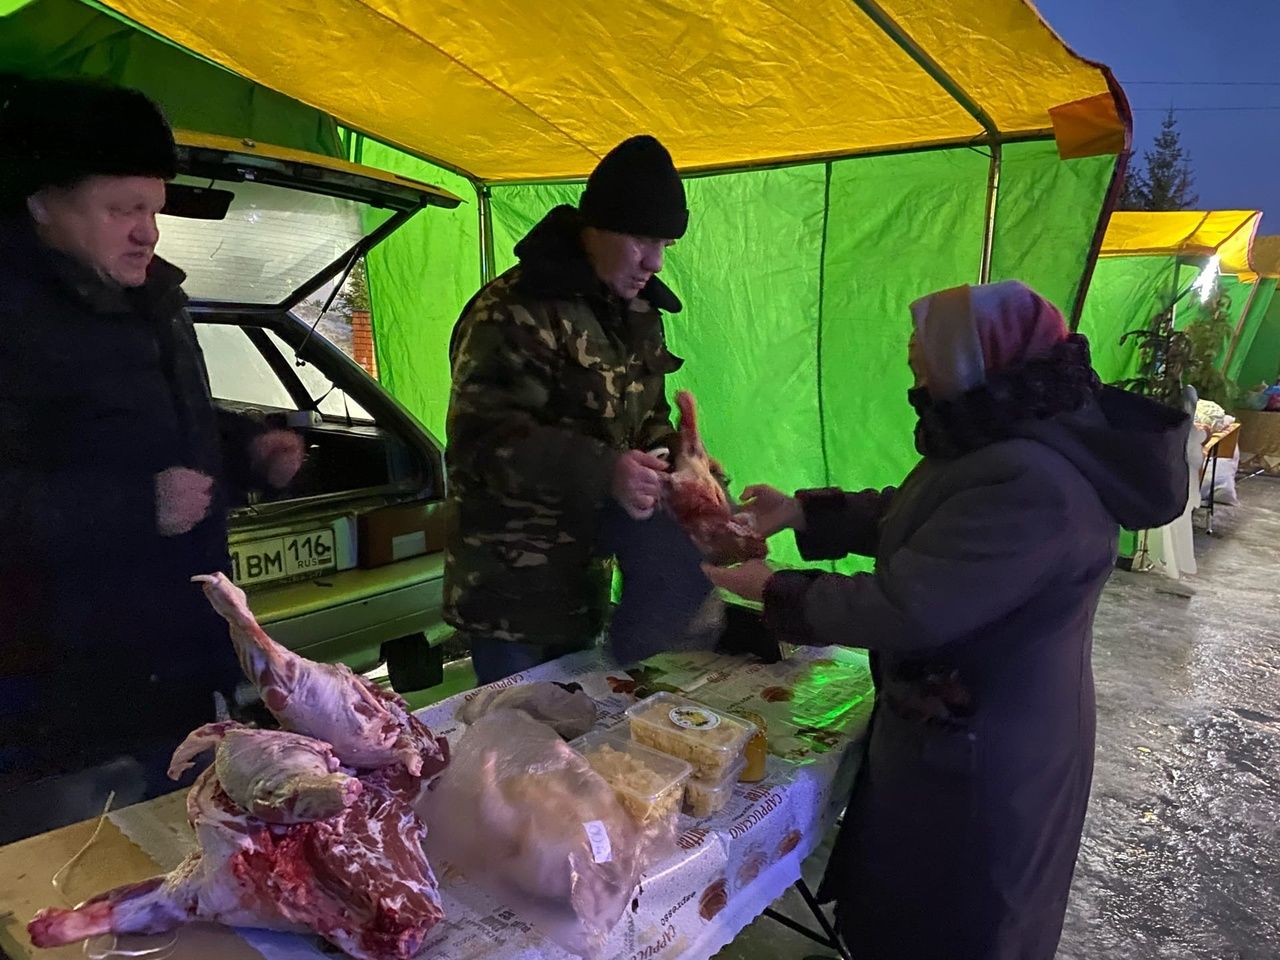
(936, 72)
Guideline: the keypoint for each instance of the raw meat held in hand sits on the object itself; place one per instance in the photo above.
(699, 502)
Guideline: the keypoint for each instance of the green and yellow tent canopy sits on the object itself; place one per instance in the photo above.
(508, 91)
(1146, 266)
(844, 157)
(1226, 234)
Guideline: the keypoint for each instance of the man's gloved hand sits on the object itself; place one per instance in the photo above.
(637, 483)
(276, 456)
(183, 497)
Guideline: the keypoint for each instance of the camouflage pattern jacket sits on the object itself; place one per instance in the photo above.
(553, 377)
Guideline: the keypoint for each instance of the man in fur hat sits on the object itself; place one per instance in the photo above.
(112, 478)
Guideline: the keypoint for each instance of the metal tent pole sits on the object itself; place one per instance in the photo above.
(881, 18)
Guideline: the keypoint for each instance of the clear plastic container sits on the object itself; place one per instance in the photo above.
(649, 784)
(710, 740)
(705, 798)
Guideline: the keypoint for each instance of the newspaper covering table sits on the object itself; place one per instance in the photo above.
(729, 868)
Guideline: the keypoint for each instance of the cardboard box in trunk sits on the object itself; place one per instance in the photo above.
(398, 533)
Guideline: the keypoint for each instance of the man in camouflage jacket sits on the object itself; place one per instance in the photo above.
(558, 403)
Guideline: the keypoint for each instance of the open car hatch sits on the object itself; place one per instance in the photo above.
(256, 226)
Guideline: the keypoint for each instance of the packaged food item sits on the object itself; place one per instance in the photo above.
(649, 784)
(710, 740)
(527, 819)
(757, 750)
(705, 798)
(563, 707)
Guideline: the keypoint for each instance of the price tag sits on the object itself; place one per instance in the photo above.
(598, 837)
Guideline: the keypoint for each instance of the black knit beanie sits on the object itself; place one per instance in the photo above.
(635, 189)
(55, 133)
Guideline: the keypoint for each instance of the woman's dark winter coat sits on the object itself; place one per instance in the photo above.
(962, 833)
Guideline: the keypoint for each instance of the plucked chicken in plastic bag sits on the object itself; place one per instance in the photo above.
(525, 817)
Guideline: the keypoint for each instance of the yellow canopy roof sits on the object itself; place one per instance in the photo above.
(1226, 233)
(516, 90)
(1266, 256)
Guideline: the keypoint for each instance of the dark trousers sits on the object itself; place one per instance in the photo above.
(495, 660)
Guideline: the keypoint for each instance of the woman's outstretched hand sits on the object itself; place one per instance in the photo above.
(747, 580)
(772, 510)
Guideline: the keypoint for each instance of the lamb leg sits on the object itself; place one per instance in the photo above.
(273, 668)
(700, 503)
(367, 727)
(276, 776)
(149, 906)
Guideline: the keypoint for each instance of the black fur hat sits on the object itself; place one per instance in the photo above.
(58, 132)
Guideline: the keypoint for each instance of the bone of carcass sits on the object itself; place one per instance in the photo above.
(699, 502)
(203, 887)
(276, 776)
(368, 727)
(360, 879)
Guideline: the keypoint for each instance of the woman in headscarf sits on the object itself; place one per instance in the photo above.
(961, 836)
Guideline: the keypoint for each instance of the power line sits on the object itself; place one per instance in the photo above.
(1200, 83)
(1206, 109)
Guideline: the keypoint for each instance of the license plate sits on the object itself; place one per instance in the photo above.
(283, 558)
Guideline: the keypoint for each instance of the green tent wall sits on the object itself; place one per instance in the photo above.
(796, 283)
(1258, 356)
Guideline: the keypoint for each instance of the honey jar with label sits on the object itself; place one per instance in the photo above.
(756, 751)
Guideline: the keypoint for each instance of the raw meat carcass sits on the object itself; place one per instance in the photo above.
(700, 503)
(360, 879)
(367, 726)
(289, 834)
(202, 887)
(276, 776)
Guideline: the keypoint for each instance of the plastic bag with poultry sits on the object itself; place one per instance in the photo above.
(563, 707)
(524, 816)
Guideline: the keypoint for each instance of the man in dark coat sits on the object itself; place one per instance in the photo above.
(113, 489)
(961, 837)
